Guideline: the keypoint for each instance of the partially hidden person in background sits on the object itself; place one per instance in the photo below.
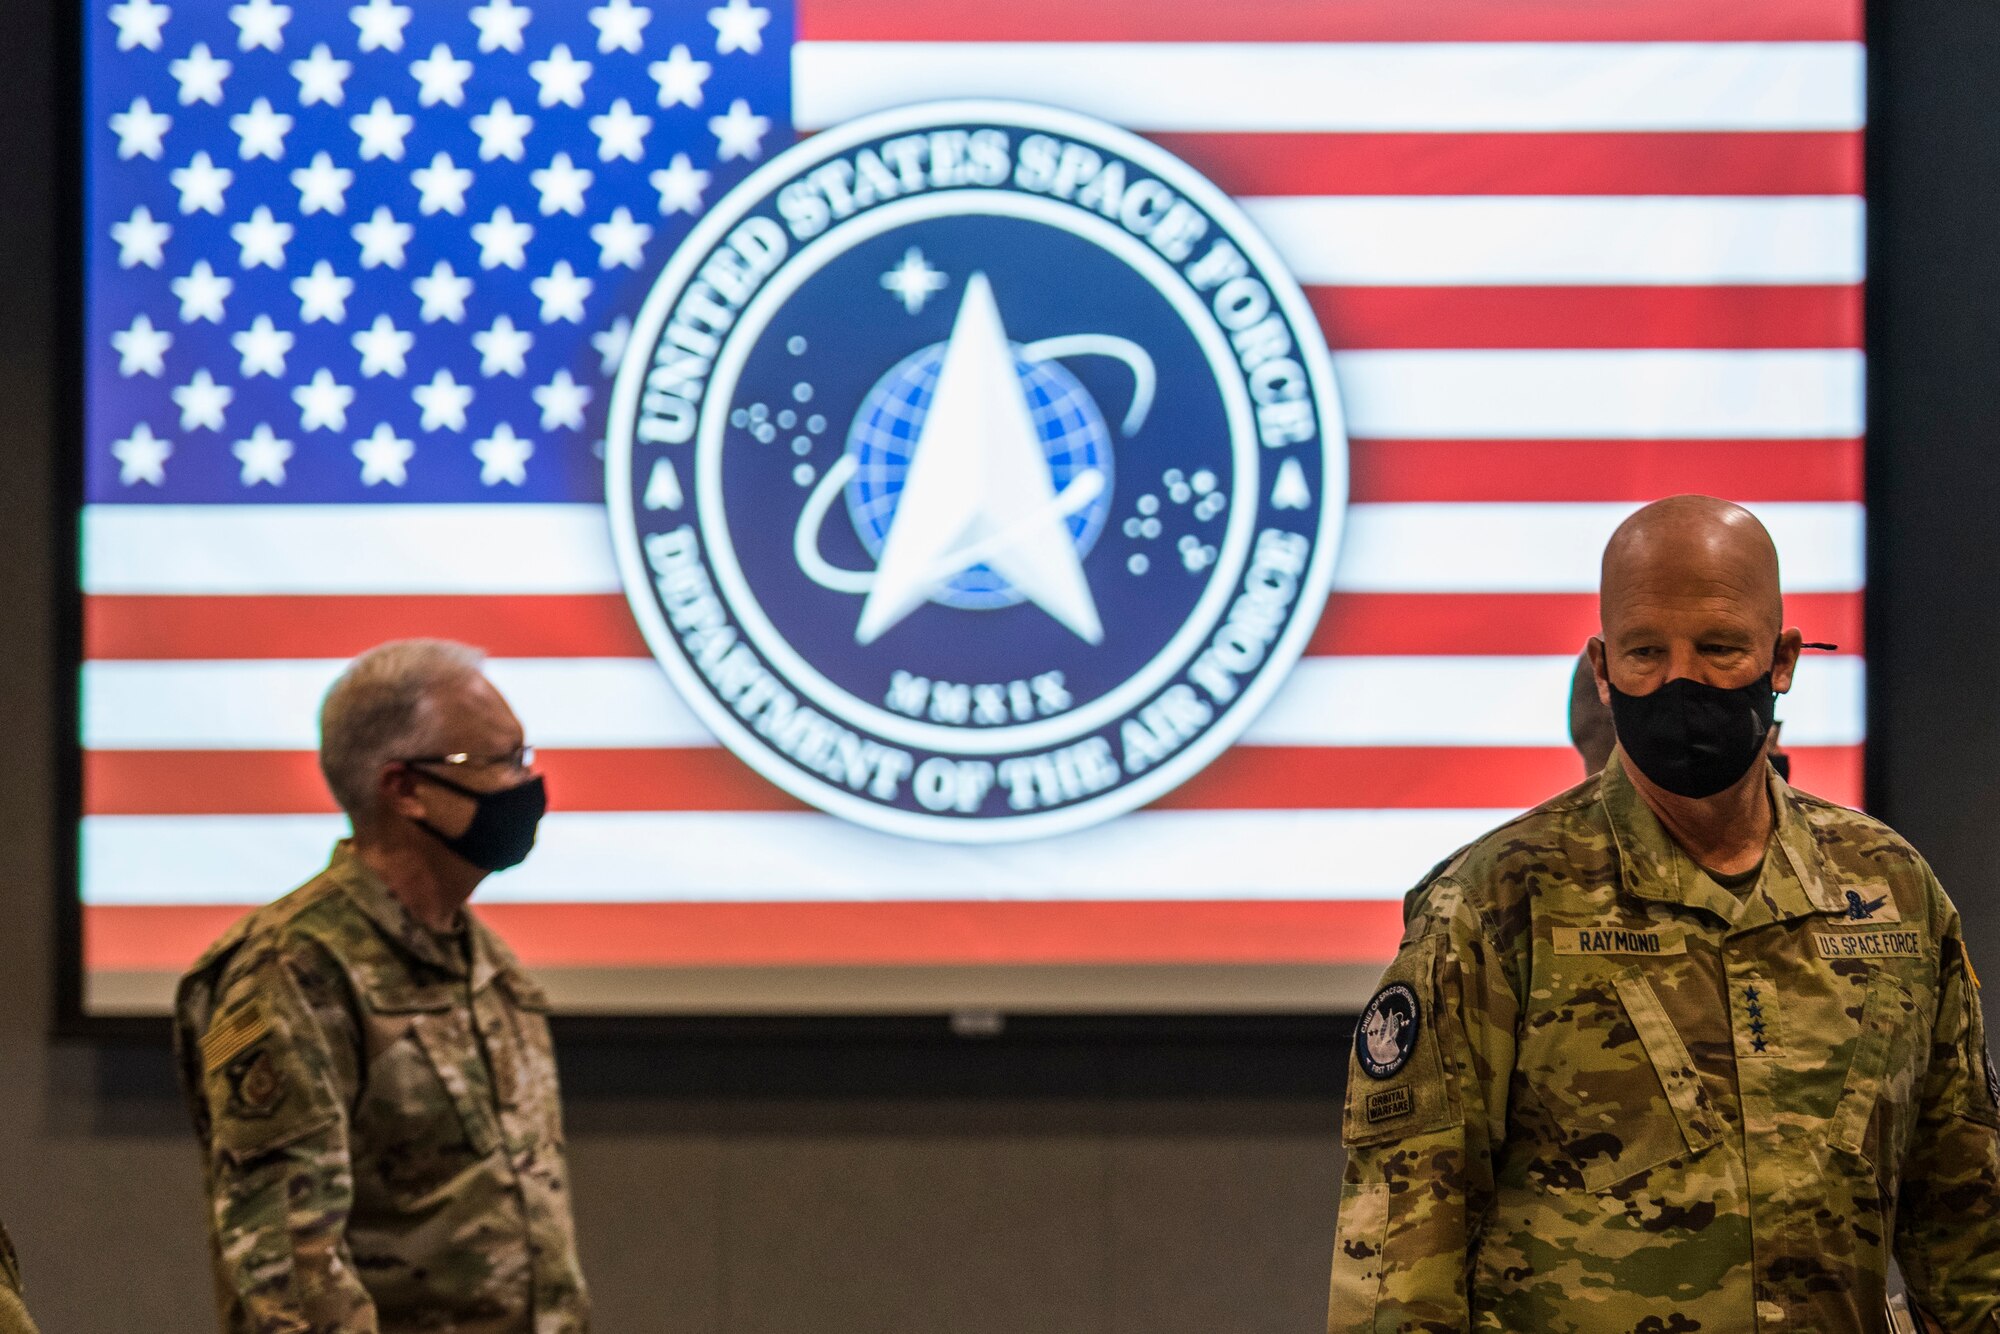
(1683, 1048)
(13, 1311)
(369, 1067)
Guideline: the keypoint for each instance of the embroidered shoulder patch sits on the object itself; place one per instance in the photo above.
(1389, 1104)
(1387, 1033)
(1877, 944)
(225, 1041)
(1619, 940)
(254, 1088)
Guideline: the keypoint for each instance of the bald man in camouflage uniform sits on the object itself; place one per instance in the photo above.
(369, 1067)
(13, 1314)
(1660, 1062)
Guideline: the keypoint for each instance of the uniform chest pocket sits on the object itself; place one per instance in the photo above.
(1869, 1120)
(1625, 1094)
(428, 1078)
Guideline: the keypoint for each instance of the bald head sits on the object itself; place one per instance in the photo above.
(1690, 589)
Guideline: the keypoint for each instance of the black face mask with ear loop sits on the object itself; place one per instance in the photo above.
(1692, 738)
(502, 832)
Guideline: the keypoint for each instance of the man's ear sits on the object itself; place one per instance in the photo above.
(1785, 660)
(396, 791)
(1594, 647)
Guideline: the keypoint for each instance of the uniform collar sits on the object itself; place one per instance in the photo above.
(1652, 866)
(373, 897)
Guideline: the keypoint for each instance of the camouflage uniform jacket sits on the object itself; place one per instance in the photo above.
(381, 1125)
(13, 1314)
(1599, 1092)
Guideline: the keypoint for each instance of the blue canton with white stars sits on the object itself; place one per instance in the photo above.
(341, 253)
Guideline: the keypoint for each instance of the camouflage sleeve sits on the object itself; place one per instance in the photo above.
(1948, 1219)
(13, 1312)
(1426, 1110)
(278, 1063)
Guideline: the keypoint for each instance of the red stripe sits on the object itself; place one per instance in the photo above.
(252, 628)
(610, 935)
(1333, 21)
(1804, 162)
(1541, 471)
(239, 782)
(1528, 624)
(1357, 318)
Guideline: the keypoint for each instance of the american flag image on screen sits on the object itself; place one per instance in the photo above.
(359, 279)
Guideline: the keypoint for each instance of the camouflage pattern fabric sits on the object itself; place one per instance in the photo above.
(13, 1313)
(1628, 1101)
(381, 1124)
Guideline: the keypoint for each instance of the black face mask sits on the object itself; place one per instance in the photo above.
(1695, 739)
(503, 825)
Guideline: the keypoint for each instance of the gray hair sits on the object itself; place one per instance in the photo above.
(381, 709)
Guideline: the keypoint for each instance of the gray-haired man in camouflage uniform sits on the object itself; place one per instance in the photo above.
(369, 1068)
(1682, 1049)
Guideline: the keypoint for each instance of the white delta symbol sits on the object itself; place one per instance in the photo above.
(979, 493)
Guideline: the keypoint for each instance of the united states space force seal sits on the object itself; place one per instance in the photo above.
(976, 472)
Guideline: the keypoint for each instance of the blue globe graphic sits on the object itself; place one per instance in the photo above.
(884, 436)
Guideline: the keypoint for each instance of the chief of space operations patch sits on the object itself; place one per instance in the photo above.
(976, 472)
(1386, 1036)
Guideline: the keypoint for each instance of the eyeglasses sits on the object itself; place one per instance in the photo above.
(520, 759)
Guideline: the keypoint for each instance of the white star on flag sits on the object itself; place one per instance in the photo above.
(201, 184)
(561, 293)
(502, 240)
(200, 75)
(384, 348)
(500, 23)
(441, 78)
(913, 281)
(503, 457)
(139, 23)
(142, 239)
(263, 456)
(322, 295)
(322, 186)
(562, 401)
(142, 457)
(561, 184)
(382, 130)
(621, 132)
(680, 77)
(739, 133)
(502, 131)
(381, 24)
(201, 401)
(263, 347)
(141, 130)
(561, 77)
(260, 23)
(321, 77)
(262, 239)
(383, 239)
(442, 186)
(610, 343)
(323, 402)
(443, 293)
(384, 457)
(202, 292)
(142, 349)
(444, 401)
(620, 25)
(261, 131)
(503, 349)
(680, 184)
(739, 26)
(621, 240)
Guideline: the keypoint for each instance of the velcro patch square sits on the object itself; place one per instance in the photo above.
(1389, 1104)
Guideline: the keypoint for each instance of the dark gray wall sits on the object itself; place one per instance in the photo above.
(1083, 1187)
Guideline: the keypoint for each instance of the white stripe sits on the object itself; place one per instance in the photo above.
(1599, 395)
(1305, 86)
(574, 703)
(706, 856)
(1408, 548)
(297, 549)
(1469, 241)
(1509, 548)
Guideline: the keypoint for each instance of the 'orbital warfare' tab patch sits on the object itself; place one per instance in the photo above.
(1389, 1104)
(1900, 944)
(1618, 940)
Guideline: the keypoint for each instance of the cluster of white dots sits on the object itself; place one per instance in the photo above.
(1199, 491)
(765, 426)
